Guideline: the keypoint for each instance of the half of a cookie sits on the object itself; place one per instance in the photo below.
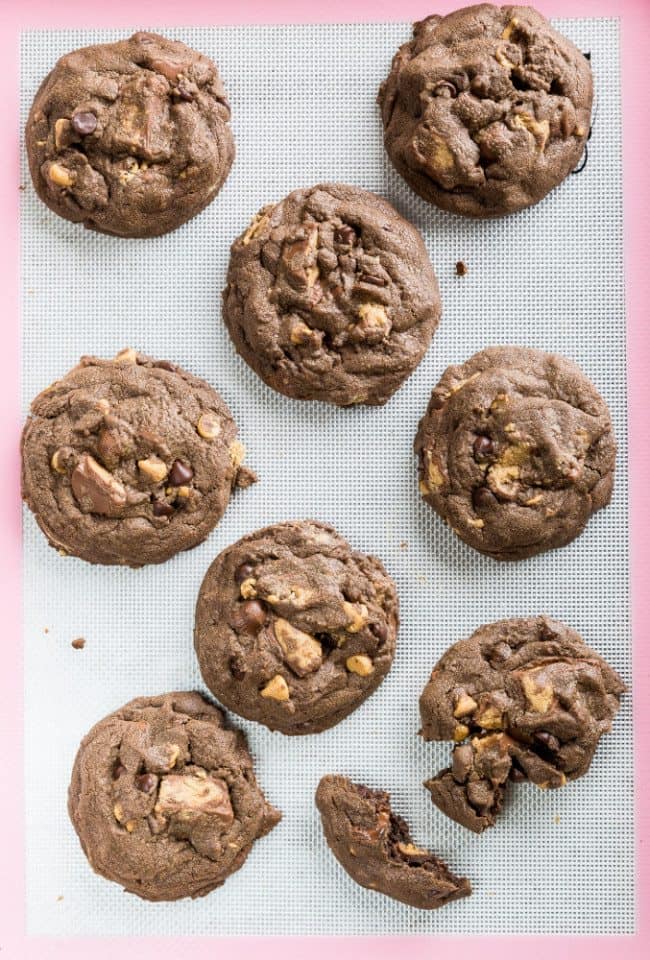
(294, 628)
(374, 846)
(525, 700)
(164, 799)
(487, 109)
(516, 451)
(130, 138)
(331, 296)
(129, 460)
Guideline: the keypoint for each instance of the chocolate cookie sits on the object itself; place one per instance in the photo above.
(331, 296)
(130, 138)
(295, 629)
(486, 110)
(164, 798)
(129, 460)
(516, 451)
(524, 700)
(374, 846)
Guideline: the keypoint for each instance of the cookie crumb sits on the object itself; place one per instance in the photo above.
(79, 643)
(245, 478)
(461, 268)
(21, 186)
(59, 898)
(404, 545)
(46, 629)
(557, 818)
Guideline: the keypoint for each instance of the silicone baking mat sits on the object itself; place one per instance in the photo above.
(304, 110)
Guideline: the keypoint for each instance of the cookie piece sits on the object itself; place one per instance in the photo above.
(130, 138)
(524, 700)
(486, 110)
(331, 296)
(164, 798)
(295, 629)
(374, 846)
(129, 460)
(516, 451)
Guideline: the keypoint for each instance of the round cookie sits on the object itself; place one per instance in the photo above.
(486, 110)
(331, 296)
(130, 138)
(524, 700)
(129, 460)
(164, 798)
(295, 629)
(516, 451)
(374, 846)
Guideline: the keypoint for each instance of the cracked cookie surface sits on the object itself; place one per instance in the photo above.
(129, 460)
(331, 296)
(525, 700)
(295, 629)
(374, 846)
(164, 798)
(130, 138)
(516, 451)
(486, 110)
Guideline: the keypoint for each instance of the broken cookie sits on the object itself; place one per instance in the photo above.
(487, 109)
(130, 138)
(331, 296)
(129, 460)
(374, 846)
(525, 700)
(295, 629)
(164, 798)
(516, 451)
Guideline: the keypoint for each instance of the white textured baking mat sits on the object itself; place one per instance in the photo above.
(303, 102)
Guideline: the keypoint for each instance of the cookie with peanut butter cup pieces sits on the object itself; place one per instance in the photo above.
(130, 460)
(164, 799)
(294, 628)
(487, 109)
(516, 451)
(130, 138)
(331, 296)
(374, 846)
(524, 700)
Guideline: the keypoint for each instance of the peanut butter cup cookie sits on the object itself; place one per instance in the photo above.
(130, 138)
(486, 110)
(295, 629)
(164, 798)
(525, 700)
(331, 296)
(129, 460)
(374, 846)
(516, 451)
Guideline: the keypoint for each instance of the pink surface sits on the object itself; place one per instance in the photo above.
(635, 19)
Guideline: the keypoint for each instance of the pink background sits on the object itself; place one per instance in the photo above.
(635, 21)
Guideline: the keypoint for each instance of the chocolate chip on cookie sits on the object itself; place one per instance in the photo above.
(375, 847)
(486, 110)
(164, 798)
(130, 138)
(524, 700)
(116, 468)
(331, 296)
(516, 451)
(295, 629)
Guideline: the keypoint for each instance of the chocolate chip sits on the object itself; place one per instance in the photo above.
(380, 630)
(547, 741)
(461, 268)
(118, 770)
(482, 498)
(84, 122)
(165, 365)
(183, 93)
(437, 401)
(345, 234)
(243, 572)
(517, 775)
(375, 281)
(146, 782)
(162, 509)
(248, 617)
(180, 474)
(483, 447)
(237, 668)
(500, 653)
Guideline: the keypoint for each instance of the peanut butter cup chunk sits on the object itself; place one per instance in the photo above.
(130, 138)
(117, 467)
(294, 628)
